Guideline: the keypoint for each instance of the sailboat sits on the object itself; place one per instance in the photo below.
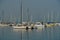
(2, 23)
(20, 26)
(39, 25)
(52, 21)
(50, 24)
(57, 23)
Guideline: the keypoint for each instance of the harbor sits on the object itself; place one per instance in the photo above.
(28, 24)
(29, 20)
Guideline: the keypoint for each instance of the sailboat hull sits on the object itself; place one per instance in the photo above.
(3, 25)
(21, 27)
(39, 26)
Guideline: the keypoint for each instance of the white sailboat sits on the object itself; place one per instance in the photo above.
(2, 22)
(50, 24)
(57, 23)
(18, 26)
(38, 25)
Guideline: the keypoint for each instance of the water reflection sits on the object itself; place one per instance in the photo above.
(8, 33)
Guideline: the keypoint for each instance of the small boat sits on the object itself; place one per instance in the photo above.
(38, 25)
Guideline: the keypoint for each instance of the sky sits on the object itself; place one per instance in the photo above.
(38, 9)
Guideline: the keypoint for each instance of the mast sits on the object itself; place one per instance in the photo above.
(28, 13)
(31, 19)
(21, 12)
(44, 19)
(48, 16)
(2, 16)
(57, 17)
(52, 16)
(28, 16)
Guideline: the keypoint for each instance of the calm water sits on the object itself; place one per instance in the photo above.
(8, 33)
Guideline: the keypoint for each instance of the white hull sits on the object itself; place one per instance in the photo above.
(39, 26)
(3, 25)
(58, 24)
(20, 27)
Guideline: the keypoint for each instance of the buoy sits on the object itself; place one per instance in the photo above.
(26, 28)
(10, 25)
(32, 28)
